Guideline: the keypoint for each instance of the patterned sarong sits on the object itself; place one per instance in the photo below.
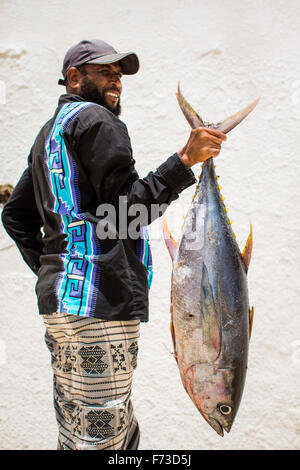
(93, 362)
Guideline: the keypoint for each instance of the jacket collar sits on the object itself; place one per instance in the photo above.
(63, 99)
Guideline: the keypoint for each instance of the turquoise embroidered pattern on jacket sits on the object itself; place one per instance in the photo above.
(75, 286)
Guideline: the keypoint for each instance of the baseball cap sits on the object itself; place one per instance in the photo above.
(98, 52)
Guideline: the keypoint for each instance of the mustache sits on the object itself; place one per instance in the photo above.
(113, 88)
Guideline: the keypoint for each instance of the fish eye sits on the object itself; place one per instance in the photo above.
(225, 409)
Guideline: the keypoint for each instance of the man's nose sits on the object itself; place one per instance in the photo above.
(115, 78)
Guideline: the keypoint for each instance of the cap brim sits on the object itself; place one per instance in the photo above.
(128, 60)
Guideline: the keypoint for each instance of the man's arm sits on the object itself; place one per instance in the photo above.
(104, 150)
(22, 221)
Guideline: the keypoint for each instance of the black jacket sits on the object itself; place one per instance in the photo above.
(82, 158)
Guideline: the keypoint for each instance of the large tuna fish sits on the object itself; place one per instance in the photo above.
(210, 316)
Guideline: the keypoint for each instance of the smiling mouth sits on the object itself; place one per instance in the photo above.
(112, 94)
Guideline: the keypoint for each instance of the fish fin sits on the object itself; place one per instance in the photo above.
(173, 338)
(222, 302)
(169, 240)
(246, 255)
(232, 121)
(191, 116)
(172, 331)
(251, 316)
(210, 319)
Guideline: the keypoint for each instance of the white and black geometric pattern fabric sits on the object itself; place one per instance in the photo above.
(93, 362)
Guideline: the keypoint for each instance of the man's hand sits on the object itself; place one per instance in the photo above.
(203, 143)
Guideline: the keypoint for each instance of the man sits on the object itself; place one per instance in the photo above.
(93, 291)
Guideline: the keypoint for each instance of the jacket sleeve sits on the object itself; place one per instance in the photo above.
(22, 221)
(105, 151)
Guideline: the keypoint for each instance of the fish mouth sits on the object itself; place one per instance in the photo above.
(227, 428)
(215, 425)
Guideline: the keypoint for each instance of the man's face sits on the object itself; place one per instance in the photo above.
(101, 84)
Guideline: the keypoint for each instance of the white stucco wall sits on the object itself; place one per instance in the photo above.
(225, 53)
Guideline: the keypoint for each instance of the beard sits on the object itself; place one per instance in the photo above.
(90, 92)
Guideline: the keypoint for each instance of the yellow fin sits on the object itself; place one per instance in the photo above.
(172, 330)
(246, 255)
(251, 315)
(169, 240)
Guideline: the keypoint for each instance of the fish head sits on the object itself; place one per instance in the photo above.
(221, 416)
(216, 395)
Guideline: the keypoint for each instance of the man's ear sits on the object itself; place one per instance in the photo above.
(74, 78)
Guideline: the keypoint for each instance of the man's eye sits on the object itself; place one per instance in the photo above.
(107, 73)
